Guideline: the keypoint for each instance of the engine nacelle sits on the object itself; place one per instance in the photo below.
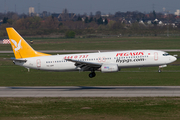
(109, 68)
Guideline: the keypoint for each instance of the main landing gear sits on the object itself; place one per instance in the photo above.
(92, 74)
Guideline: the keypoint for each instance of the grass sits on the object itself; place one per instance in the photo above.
(90, 108)
(14, 76)
(124, 43)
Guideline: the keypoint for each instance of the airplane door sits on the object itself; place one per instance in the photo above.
(38, 62)
(155, 56)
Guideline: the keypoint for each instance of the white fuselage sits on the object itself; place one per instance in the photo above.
(124, 59)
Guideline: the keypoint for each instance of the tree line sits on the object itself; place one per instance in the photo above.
(32, 26)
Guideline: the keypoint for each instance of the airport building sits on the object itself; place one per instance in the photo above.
(31, 11)
(177, 12)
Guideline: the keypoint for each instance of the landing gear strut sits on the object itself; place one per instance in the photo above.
(92, 74)
(161, 67)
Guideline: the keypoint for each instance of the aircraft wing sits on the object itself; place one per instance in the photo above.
(84, 66)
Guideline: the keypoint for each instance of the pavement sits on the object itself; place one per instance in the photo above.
(91, 91)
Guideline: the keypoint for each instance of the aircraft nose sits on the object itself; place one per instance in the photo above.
(173, 58)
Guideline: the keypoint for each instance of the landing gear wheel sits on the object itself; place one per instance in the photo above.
(92, 74)
(159, 71)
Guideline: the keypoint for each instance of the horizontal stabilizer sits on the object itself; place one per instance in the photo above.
(18, 60)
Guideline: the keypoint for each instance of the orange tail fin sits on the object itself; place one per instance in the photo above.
(20, 47)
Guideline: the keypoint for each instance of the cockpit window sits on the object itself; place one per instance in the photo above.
(165, 54)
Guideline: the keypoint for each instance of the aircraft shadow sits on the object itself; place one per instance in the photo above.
(72, 88)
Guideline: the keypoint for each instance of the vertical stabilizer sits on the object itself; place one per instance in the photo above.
(20, 47)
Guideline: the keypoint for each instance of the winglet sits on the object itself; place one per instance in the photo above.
(20, 47)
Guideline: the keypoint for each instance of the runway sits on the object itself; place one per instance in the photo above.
(91, 91)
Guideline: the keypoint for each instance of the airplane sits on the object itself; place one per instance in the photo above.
(105, 62)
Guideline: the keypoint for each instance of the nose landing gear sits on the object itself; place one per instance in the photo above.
(160, 67)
